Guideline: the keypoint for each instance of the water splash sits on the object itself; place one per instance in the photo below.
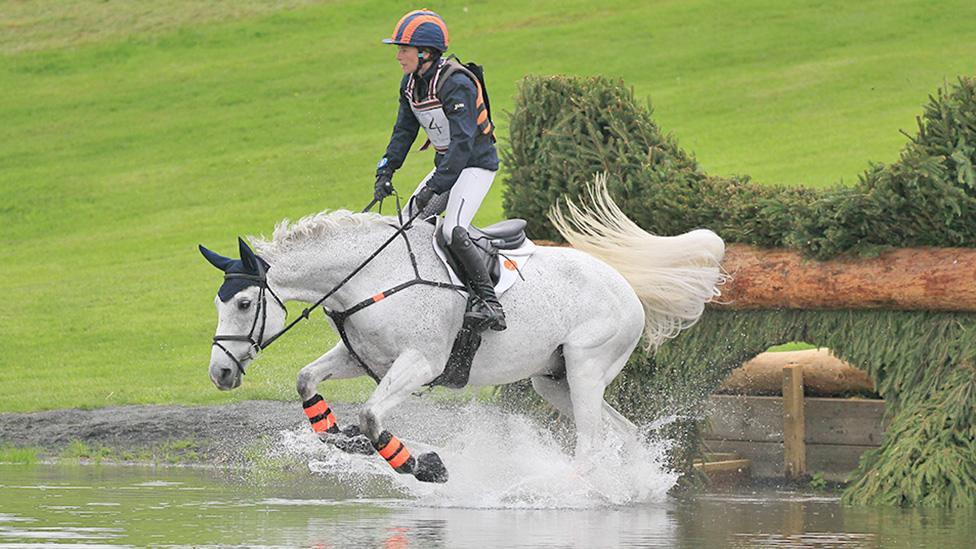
(497, 460)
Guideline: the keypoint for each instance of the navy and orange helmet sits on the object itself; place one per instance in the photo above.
(420, 29)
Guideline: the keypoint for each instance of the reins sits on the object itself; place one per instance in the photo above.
(338, 317)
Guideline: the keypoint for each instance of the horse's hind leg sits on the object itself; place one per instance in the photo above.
(591, 364)
(624, 427)
(556, 392)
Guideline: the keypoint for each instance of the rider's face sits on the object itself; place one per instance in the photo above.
(407, 57)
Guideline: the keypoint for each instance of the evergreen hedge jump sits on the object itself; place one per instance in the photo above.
(563, 131)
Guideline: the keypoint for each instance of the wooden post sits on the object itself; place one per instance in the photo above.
(794, 426)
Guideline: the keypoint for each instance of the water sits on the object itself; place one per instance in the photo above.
(112, 506)
(512, 485)
(495, 460)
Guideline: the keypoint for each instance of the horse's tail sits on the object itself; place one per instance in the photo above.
(674, 276)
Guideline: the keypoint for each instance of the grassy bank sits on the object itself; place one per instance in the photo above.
(129, 134)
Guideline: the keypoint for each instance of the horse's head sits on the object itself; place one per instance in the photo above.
(246, 317)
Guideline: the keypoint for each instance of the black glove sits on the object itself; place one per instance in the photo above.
(423, 198)
(383, 187)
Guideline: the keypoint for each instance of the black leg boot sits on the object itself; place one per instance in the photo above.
(486, 310)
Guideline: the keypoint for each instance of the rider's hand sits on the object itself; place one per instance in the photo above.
(384, 180)
(422, 198)
(383, 187)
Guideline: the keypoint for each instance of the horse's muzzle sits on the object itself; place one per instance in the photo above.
(225, 378)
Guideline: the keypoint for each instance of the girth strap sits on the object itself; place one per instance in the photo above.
(339, 317)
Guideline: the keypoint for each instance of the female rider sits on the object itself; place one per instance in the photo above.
(446, 99)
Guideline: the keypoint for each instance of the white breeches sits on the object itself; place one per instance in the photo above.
(464, 199)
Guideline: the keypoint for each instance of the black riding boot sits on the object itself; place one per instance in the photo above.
(485, 310)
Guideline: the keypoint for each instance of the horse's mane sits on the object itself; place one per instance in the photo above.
(287, 234)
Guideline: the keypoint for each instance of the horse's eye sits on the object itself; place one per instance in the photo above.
(244, 305)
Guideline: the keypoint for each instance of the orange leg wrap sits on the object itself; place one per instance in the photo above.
(395, 453)
(320, 415)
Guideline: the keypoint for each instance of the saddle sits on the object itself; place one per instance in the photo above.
(503, 247)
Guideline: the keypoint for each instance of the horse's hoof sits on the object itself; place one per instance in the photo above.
(355, 445)
(350, 441)
(430, 468)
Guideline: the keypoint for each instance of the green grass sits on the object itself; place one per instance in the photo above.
(77, 450)
(19, 456)
(791, 346)
(168, 452)
(131, 131)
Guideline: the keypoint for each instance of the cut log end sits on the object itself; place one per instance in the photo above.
(823, 375)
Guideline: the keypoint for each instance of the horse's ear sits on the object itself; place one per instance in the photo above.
(252, 263)
(216, 259)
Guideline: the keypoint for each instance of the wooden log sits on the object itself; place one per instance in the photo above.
(938, 279)
(725, 473)
(794, 423)
(732, 465)
(823, 375)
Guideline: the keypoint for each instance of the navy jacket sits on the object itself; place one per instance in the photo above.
(469, 147)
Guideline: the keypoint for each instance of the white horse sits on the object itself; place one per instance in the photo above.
(572, 322)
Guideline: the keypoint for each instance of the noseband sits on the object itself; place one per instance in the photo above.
(261, 281)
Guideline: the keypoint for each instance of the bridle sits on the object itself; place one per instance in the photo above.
(261, 311)
(338, 317)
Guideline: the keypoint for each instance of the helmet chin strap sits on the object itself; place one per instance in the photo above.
(421, 59)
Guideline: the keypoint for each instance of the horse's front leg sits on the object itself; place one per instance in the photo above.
(410, 371)
(335, 364)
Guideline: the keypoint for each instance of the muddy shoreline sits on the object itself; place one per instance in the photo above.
(227, 434)
(207, 434)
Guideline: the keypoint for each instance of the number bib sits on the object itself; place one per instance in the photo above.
(431, 116)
